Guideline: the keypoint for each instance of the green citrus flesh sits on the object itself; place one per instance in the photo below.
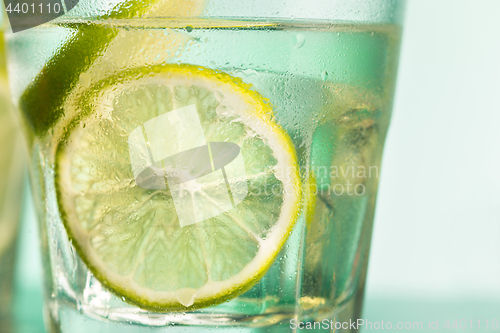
(130, 237)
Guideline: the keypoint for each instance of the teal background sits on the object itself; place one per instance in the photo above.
(436, 249)
(436, 242)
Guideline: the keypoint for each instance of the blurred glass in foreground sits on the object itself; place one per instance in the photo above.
(11, 175)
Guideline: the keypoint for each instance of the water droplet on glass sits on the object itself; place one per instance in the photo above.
(85, 80)
(301, 39)
(79, 306)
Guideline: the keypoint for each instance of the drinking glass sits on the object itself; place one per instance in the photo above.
(206, 165)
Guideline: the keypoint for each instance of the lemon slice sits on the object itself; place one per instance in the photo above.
(176, 186)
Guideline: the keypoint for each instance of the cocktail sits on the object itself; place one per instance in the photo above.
(209, 164)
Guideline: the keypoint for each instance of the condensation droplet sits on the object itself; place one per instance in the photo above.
(301, 40)
(186, 296)
(85, 80)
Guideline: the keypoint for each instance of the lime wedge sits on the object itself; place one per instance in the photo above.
(163, 227)
(42, 101)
